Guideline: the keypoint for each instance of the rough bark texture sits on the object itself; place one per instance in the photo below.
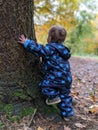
(18, 68)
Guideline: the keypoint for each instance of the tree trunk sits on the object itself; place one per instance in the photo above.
(18, 68)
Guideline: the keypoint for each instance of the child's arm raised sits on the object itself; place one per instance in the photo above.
(32, 46)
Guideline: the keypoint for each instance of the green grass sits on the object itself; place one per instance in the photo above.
(2, 125)
(8, 110)
(85, 56)
(50, 110)
(27, 111)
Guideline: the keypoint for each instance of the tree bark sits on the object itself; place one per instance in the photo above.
(18, 68)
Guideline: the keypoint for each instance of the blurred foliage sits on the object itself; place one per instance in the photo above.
(77, 16)
(84, 30)
(54, 11)
(51, 12)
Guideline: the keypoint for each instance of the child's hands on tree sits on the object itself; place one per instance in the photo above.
(22, 39)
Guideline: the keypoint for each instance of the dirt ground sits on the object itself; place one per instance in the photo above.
(84, 91)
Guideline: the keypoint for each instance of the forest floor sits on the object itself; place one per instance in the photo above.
(84, 90)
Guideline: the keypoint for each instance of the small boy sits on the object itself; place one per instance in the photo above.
(57, 81)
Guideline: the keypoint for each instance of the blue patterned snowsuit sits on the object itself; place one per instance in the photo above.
(58, 78)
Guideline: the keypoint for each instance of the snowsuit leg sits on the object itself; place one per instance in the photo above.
(63, 92)
(66, 103)
(50, 92)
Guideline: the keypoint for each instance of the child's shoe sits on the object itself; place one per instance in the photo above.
(53, 101)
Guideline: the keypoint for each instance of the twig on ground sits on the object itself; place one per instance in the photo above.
(27, 127)
(29, 124)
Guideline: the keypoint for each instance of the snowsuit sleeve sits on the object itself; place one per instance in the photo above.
(37, 49)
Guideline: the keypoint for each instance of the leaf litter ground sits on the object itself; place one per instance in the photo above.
(84, 91)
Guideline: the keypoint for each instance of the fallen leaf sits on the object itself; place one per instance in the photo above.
(66, 128)
(39, 128)
(79, 125)
(93, 98)
(74, 93)
(93, 109)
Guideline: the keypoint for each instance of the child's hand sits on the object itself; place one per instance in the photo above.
(22, 39)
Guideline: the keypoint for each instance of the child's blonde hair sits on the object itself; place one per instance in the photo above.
(57, 34)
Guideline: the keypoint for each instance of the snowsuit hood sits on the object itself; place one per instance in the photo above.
(62, 50)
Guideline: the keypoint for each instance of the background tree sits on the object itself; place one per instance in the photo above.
(18, 69)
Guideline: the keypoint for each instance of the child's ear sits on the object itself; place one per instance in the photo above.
(49, 39)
